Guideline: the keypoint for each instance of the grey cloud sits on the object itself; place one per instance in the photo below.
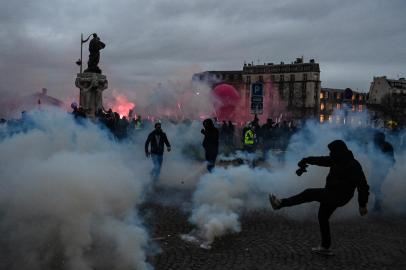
(147, 41)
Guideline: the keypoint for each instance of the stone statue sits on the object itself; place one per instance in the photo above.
(95, 46)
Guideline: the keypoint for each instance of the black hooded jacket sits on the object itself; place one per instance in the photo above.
(157, 148)
(211, 139)
(345, 174)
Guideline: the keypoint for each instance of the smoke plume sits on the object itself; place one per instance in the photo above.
(221, 197)
(68, 198)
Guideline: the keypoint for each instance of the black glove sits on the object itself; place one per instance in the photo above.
(302, 167)
(302, 163)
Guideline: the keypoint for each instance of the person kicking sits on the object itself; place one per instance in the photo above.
(344, 177)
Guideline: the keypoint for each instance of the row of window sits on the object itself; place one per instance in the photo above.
(398, 85)
(338, 106)
(339, 96)
(282, 68)
(224, 77)
(338, 119)
(281, 78)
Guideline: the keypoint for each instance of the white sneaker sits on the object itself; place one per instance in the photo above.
(322, 251)
(275, 202)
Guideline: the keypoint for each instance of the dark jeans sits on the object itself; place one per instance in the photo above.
(249, 148)
(156, 170)
(326, 209)
(211, 162)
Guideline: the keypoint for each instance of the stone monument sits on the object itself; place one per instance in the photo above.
(91, 82)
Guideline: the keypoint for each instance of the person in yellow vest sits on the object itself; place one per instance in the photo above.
(250, 139)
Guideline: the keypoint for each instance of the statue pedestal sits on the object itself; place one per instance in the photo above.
(91, 87)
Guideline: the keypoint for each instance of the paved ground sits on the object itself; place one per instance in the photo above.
(270, 241)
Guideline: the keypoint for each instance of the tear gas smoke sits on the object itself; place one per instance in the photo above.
(68, 197)
(82, 188)
(222, 196)
(184, 163)
(178, 99)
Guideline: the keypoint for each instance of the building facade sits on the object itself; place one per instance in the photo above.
(340, 99)
(292, 89)
(385, 91)
(12, 107)
(387, 98)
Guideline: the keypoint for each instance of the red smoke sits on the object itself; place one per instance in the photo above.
(225, 101)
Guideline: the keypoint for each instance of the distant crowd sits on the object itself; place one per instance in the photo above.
(251, 137)
(270, 135)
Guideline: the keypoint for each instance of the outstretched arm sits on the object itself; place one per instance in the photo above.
(324, 161)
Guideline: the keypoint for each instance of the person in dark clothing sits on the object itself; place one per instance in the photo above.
(122, 128)
(78, 113)
(157, 139)
(210, 143)
(230, 135)
(224, 132)
(255, 123)
(344, 177)
(266, 132)
(382, 163)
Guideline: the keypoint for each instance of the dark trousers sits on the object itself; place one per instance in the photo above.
(325, 211)
(211, 160)
(156, 170)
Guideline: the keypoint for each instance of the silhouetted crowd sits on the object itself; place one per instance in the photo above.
(118, 126)
(14, 126)
(270, 135)
(251, 137)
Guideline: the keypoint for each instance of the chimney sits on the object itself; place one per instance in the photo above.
(44, 91)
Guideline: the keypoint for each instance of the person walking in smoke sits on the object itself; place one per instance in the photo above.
(157, 138)
(230, 137)
(210, 143)
(344, 177)
(382, 163)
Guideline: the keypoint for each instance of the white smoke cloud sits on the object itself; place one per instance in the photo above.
(69, 193)
(68, 196)
(222, 196)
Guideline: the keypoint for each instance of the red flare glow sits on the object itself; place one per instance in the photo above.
(122, 105)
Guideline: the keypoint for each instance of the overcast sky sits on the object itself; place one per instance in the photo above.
(149, 41)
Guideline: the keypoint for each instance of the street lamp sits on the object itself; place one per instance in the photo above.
(79, 61)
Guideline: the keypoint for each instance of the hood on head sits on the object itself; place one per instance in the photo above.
(339, 151)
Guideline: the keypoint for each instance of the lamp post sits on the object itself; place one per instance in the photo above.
(79, 62)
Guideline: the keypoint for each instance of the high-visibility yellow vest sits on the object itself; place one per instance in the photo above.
(249, 137)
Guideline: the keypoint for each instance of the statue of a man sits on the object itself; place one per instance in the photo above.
(95, 46)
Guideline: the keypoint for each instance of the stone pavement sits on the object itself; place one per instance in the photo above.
(271, 241)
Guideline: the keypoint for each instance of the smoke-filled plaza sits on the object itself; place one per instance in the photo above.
(180, 136)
